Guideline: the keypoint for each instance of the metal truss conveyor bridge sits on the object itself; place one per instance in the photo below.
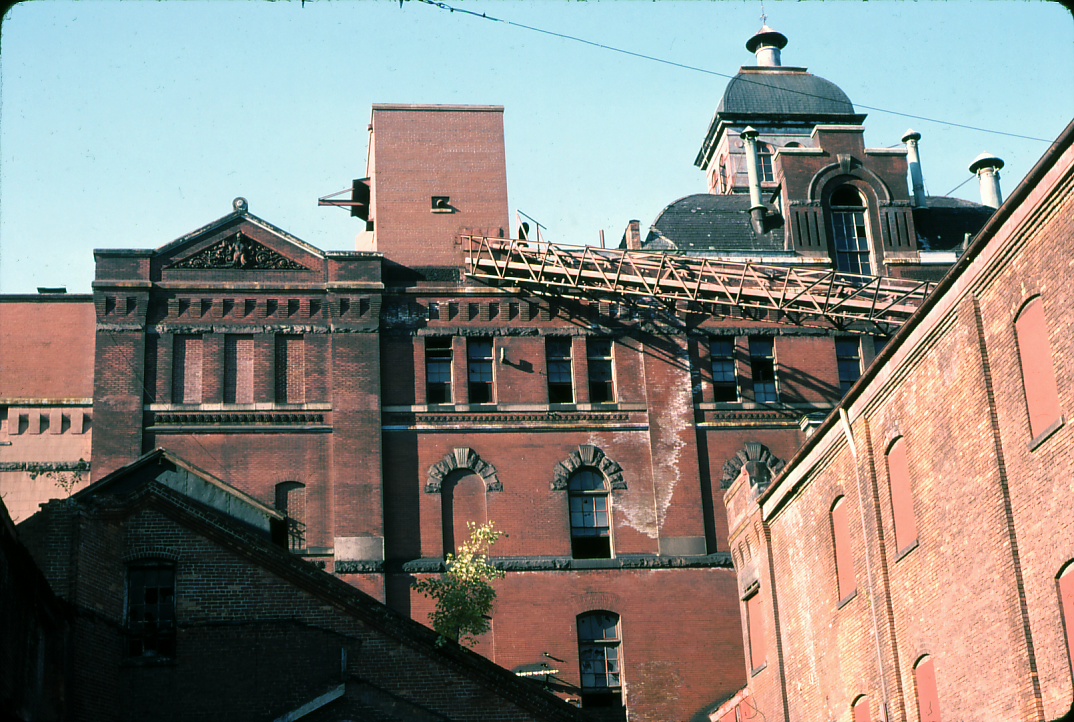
(734, 289)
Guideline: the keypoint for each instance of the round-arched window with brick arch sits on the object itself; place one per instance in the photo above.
(590, 513)
(850, 233)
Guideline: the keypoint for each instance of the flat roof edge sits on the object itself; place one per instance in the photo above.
(435, 107)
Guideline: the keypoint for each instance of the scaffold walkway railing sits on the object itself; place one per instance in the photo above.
(795, 295)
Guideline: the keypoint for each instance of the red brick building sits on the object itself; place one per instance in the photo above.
(915, 559)
(379, 399)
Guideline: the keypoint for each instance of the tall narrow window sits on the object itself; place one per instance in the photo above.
(560, 371)
(591, 534)
(1038, 372)
(849, 234)
(186, 370)
(238, 369)
(755, 627)
(290, 370)
(291, 501)
(763, 368)
(844, 558)
(479, 358)
(848, 356)
(600, 658)
(764, 162)
(601, 376)
(928, 698)
(151, 610)
(1066, 605)
(861, 710)
(438, 369)
(902, 498)
(724, 378)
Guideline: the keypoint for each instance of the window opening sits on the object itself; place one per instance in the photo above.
(1038, 371)
(238, 369)
(599, 358)
(438, 358)
(849, 232)
(151, 611)
(479, 354)
(290, 370)
(764, 162)
(861, 710)
(844, 558)
(187, 367)
(902, 498)
(291, 502)
(560, 371)
(755, 630)
(848, 357)
(724, 378)
(600, 658)
(1066, 603)
(928, 698)
(587, 494)
(763, 370)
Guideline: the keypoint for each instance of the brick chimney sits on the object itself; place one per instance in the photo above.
(632, 236)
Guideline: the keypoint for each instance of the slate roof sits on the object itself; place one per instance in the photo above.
(783, 91)
(943, 224)
(707, 223)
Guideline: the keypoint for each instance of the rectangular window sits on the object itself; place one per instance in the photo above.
(763, 370)
(238, 369)
(844, 558)
(479, 358)
(1038, 371)
(601, 374)
(560, 371)
(851, 242)
(186, 370)
(151, 611)
(755, 629)
(902, 497)
(290, 370)
(599, 655)
(724, 378)
(848, 356)
(438, 369)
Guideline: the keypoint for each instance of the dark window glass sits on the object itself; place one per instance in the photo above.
(560, 372)
(587, 493)
(724, 378)
(848, 356)
(479, 355)
(438, 370)
(151, 611)
(601, 383)
(764, 163)
(600, 658)
(849, 234)
(763, 370)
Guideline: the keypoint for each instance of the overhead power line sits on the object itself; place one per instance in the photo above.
(684, 66)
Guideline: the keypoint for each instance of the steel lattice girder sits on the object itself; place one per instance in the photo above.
(795, 295)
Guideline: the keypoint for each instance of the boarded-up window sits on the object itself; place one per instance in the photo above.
(861, 710)
(755, 627)
(1066, 600)
(902, 498)
(238, 369)
(290, 370)
(928, 699)
(844, 559)
(186, 370)
(1038, 373)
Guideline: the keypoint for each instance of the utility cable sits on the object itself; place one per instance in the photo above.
(484, 16)
(960, 185)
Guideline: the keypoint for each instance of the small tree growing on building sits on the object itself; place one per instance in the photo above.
(464, 594)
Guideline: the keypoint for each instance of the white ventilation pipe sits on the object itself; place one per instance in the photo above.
(913, 160)
(986, 166)
(757, 207)
(765, 45)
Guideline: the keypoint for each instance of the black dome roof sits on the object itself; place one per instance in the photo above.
(782, 91)
(707, 223)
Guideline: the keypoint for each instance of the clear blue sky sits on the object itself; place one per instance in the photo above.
(128, 124)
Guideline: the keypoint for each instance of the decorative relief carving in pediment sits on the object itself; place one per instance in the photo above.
(239, 251)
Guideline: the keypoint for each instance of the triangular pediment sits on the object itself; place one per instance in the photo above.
(239, 251)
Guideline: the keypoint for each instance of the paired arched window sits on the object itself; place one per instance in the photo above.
(928, 698)
(850, 237)
(600, 645)
(291, 502)
(844, 558)
(1038, 372)
(590, 512)
(902, 497)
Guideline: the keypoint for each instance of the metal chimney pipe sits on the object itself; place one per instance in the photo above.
(757, 207)
(913, 160)
(986, 166)
(766, 45)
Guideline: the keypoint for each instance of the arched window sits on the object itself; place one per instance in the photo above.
(462, 499)
(1066, 605)
(600, 659)
(291, 501)
(928, 697)
(844, 558)
(850, 237)
(902, 497)
(764, 163)
(591, 534)
(860, 710)
(1038, 371)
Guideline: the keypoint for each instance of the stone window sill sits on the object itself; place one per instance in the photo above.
(1047, 433)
